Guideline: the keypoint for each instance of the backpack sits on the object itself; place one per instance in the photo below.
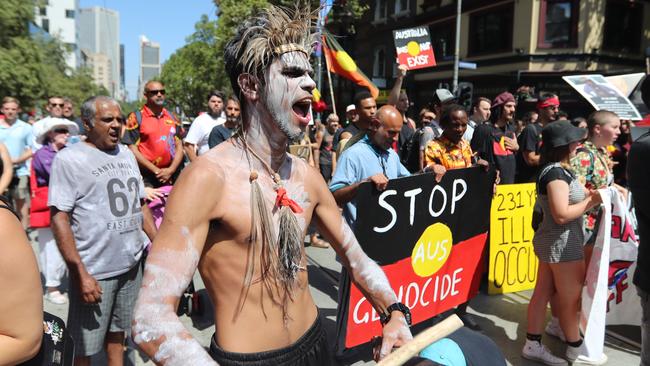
(410, 152)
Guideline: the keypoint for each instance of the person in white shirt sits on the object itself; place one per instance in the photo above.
(196, 141)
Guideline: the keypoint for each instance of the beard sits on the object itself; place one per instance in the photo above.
(282, 119)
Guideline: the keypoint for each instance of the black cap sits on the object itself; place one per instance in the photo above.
(561, 133)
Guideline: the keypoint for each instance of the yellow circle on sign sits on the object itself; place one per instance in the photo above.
(432, 250)
(413, 48)
(346, 62)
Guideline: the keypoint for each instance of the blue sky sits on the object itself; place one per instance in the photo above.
(167, 22)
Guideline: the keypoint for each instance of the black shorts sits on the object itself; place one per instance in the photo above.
(310, 349)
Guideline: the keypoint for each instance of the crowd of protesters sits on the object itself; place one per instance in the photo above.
(86, 183)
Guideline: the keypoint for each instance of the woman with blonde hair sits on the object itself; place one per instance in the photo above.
(592, 166)
(558, 244)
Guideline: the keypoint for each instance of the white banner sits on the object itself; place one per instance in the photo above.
(609, 296)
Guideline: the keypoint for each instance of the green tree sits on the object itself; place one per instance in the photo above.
(190, 73)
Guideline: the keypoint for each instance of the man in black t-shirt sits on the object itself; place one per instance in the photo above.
(638, 179)
(530, 139)
(496, 141)
(223, 131)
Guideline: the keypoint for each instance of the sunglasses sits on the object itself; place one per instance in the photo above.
(111, 119)
(61, 130)
(155, 92)
(56, 105)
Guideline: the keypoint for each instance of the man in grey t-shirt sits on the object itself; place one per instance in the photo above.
(98, 214)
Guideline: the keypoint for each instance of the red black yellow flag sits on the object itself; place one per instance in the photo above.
(340, 63)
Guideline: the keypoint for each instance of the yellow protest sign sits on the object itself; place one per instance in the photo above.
(513, 263)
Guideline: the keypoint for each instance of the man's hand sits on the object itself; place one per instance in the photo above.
(91, 292)
(437, 169)
(396, 333)
(401, 71)
(510, 143)
(153, 193)
(164, 175)
(379, 180)
(484, 164)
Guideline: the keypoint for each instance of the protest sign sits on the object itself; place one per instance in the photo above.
(603, 95)
(413, 46)
(513, 263)
(427, 237)
(608, 296)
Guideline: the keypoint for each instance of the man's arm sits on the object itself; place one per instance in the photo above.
(89, 288)
(364, 272)
(148, 224)
(27, 153)
(393, 97)
(7, 169)
(190, 150)
(171, 265)
(142, 161)
(316, 149)
(346, 194)
(530, 157)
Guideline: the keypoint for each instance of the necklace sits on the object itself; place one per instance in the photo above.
(281, 199)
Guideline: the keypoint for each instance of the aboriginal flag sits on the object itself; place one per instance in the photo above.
(340, 63)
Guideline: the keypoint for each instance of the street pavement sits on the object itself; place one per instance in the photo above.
(501, 317)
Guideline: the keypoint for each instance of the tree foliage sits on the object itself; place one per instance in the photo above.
(33, 66)
(190, 73)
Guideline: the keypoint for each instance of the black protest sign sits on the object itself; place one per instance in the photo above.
(413, 47)
(428, 237)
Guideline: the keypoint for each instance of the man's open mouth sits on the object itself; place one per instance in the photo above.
(301, 110)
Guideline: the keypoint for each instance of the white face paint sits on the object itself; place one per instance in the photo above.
(167, 274)
(287, 92)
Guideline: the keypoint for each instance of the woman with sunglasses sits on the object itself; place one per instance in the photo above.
(558, 243)
(54, 137)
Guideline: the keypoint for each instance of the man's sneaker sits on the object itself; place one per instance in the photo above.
(553, 329)
(577, 357)
(535, 351)
(55, 297)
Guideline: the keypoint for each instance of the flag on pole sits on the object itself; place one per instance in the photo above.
(340, 63)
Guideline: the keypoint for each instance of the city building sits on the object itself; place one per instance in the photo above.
(99, 34)
(100, 66)
(59, 19)
(149, 62)
(122, 77)
(513, 43)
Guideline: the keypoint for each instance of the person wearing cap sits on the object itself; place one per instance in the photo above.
(351, 116)
(496, 141)
(558, 245)
(441, 98)
(530, 139)
(638, 180)
(53, 137)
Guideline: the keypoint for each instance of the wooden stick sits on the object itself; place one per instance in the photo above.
(421, 341)
(329, 81)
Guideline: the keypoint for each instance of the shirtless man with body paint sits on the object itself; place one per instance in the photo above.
(208, 221)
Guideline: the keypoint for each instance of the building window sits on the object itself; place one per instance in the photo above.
(442, 40)
(381, 9)
(623, 26)
(69, 14)
(42, 11)
(558, 24)
(45, 24)
(490, 31)
(379, 63)
(401, 7)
